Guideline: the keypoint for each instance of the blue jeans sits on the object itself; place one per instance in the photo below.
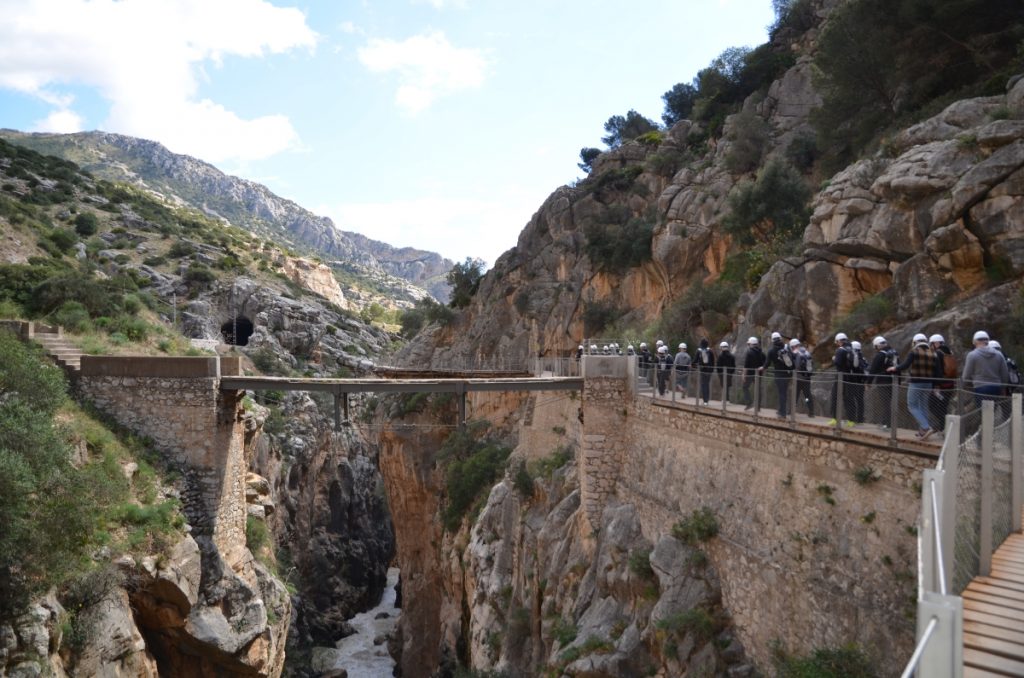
(987, 392)
(917, 403)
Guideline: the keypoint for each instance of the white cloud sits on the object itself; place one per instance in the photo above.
(349, 28)
(144, 56)
(428, 67)
(61, 121)
(441, 4)
(455, 227)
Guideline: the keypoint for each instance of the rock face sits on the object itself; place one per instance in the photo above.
(315, 277)
(252, 206)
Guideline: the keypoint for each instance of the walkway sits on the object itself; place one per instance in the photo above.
(994, 615)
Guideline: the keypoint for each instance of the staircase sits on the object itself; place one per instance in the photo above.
(62, 352)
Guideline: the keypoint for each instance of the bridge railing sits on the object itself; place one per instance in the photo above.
(970, 502)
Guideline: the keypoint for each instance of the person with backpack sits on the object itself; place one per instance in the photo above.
(753, 362)
(804, 370)
(645, 361)
(843, 362)
(881, 379)
(858, 376)
(945, 383)
(782, 363)
(727, 367)
(682, 363)
(922, 362)
(705, 368)
(985, 370)
(664, 368)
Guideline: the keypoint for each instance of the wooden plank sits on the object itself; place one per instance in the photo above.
(1014, 635)
(1007, 575)
(994, 600)
(994, 645)
(1008, 584)
(1010, 565)
(999, 592)
(997, 610)
(991, 662)
(973, 672)
(991, 620)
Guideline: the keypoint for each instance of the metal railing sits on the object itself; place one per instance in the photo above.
(970, 502)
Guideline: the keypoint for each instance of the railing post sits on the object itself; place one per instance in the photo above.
(926, 535)
(894, 408)
(792, 397)
(840, 410)
(987, 427)
(694, 378)
(943, 656)
(672, 380)
(950, 469)
(1016, 461)
(726, 383)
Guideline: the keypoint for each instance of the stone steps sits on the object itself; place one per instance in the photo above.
(63, 353)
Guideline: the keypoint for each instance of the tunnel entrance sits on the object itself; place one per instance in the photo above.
(237, 331)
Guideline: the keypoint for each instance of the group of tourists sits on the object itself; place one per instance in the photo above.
(929, 367)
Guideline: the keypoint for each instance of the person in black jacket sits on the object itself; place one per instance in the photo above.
(664, 368)
(781, 362)
(705, 359)
(804, 370)
(753, 362)
(945, 385)
(858, 370)
(644, 363)
(882, 381)
(843, 361)
(726, 367)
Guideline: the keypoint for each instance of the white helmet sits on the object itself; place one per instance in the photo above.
(724, 344)
(856, 345)
(593, 347)
(643, 344)
(936, 339)
(995, 344)
(663, 349)
(878, 341)
(919, 338)
(794, 342)
(659, 342)
(776, 335)
(752, 341)
(981, 335)
(682, 347)
(630, 347)
(581, 347)
(841, 337)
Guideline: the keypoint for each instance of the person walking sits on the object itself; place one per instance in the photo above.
(682, 363)
(705, 368)
(881, 380)
(804, 370)
(753, 362)
(859, 368)
(843, 362)
(985, 370)
(664, 368)
(945, 383)
(782, 363)
(726, 367)
(645, 361)
(922, 363)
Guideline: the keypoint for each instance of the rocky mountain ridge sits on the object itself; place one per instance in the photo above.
(248, 204)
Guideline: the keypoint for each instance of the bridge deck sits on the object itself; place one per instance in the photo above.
(339, 386)
(994, 615)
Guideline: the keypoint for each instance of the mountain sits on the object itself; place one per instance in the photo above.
(250, 205)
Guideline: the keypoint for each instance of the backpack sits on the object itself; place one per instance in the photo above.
(855, 361)
(787, 358)
(892, 359)
(804, 363)
(949, 367)
(704, 359)
(1014, 372)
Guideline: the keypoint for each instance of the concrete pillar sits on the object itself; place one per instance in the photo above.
(608, 390)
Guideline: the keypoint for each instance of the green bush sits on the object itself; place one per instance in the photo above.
(523, 481)
(640, 563)
(696, 620)
(598, 315)
(198, 274)
(871, 313)
(775, 206)
(86, 224)
(73, 316)
(425, 311)
(564, 631)
(848, 661)
(133, 329)
(546, 467)
(616, 247)
(748, 136)
(701, 526)
(257, 535)
(667, 161)
(687, 312)
(181, 249)
(472, 461)
(464, 279)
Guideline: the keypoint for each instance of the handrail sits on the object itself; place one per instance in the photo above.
(915, 658)
(936, 520)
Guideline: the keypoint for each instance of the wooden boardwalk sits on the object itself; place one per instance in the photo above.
(994, 615)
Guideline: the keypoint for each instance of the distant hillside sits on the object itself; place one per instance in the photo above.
(244, 203)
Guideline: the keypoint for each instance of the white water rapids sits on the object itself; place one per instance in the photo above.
(357, 653)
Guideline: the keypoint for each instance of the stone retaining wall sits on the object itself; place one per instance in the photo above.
(808, 556)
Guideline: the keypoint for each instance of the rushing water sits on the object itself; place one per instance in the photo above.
(357, 653)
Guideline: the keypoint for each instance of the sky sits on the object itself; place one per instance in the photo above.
(438, 124)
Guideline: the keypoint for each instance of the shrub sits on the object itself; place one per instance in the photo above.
(617, 247)
(587, 157)
(472, 462)
(181, 249)
(688, 311)
(696, 620)
(465, 280)
(772, 207)
(73, 316)
(667, 161)
(133, 329)
(546, 467)
(870, 314)
(640, 563)
(748, 134)
(848, 661)
(598, 315)
(701, 526)
(865, 475)
(199, 275)
(62, 240)
(86, 224)
(523, 481)
(621, 129)
(564, 631)
(257, 536)
(425, 311)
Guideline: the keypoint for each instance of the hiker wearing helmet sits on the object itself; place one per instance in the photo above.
(804, 370)
(782, 363)
(843, 360)
(753, 362)
(682, 363)
(945, 385)
(923, 365)
(705, 368)
(645, 361)
(726, 367)
(985, 370)
(882, 381)
(1011, 366)
(857, 379)
(664, 368)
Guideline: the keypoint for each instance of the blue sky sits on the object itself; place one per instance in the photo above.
(441, 124)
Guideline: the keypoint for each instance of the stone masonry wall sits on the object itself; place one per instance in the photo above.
(194, 423)
(606, 395)
(807, 555)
